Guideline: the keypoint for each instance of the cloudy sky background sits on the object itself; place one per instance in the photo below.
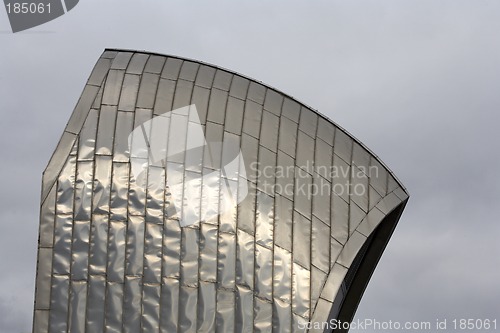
(417, 81)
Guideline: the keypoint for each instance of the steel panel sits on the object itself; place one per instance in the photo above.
(282, 317)
(291, 110)
(239, 87)
(244, 310)
(205, 76)
(266, 166)
(207, 300)
(264, 220)
(301, 240)
(333, 282)
(155, 64)
(388, 203)
(132, 300)
(308, 122)
(226, 261)
(341, 178)
(189, 256)
(356, 214)
(137, 63)
(222, 80)
(56, 162)
(114, 307)
(302, 193)
(43, 279)
(263, 312)
(322, 311)
(301, 283)
(98, 244)
(200, 98)
(124, 126)
(134, 258)
(80, 250)
(100, 70)
(171, 249)
(212, 151)
(47, 218)
(171, 68)
(326, 131)
(256, 93)
(252, 118)
(105, 134)
(282, 275)
(65, 198)
(102, 184)
(59, 304)
(150, 317)
(249, 149)
(169, 305)
(41, 321)
(208, 252)
(188, 297)
(165, 96)
(283, 222)
(343, 146)
(183, 93)
(121, 60)
(285, 175)
(225, 311)
(340, 218)
(87, 138)
(62, 244)
(153, 253)
(351, 248)
(321, 199)
(188, 71)
(234, 115)
(305, 152)
(273, 102)
(124, 248)
(320, 251)
(129, 90)
(77, 306)
(112, 87)
(288, 136)
(147, 90)
(81, 110)
(263, 284)
(318, 279)
(323, 163)
(96, 104)
(116, 252)
(245, 259)
(217, 106)
(270, 126)
(119, 191)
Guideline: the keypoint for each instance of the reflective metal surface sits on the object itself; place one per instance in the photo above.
(275, 201)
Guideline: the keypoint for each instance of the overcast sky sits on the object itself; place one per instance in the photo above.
(417, 81)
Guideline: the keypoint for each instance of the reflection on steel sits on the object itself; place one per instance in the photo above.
(186, 198)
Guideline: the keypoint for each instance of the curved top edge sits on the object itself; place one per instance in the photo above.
(274, 89)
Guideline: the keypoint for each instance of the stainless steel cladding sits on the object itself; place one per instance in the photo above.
(183, 197)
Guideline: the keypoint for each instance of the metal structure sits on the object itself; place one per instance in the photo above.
(183, 197)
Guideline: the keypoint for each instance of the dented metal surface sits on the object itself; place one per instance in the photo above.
(206, 237)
